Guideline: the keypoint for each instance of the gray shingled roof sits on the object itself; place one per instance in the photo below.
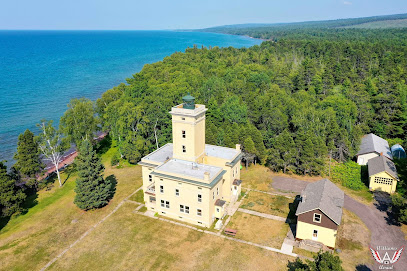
(373, 143)
(325, 196)
(380, 164)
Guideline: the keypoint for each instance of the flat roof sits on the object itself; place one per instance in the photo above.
(221, 152)
(189, 169)
(161, 155)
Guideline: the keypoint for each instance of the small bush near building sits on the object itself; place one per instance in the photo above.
(348, 174)
(399, 208)
(115, 159)
(322, 261)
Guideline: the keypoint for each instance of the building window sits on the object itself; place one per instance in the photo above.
(217, 190)
(184, 149)
(199, 198)
(167, 204)
(183, 118)
(213, 195)
(198, 212)
(177, 192)
(161, 189)
(152, 199)
(317, 218)
(315, 234)
(217, 210)
(183, 134)
(184, 209)
(162, 203)
(150, 178)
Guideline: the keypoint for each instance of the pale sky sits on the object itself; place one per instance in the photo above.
(180, 14)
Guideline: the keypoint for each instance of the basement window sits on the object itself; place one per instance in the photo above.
(317, 218)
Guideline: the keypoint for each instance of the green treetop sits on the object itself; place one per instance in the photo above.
(11, 197)
(28, 162)
(92, 190)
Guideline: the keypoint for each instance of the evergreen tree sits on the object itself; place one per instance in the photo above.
(27, 157)
(92, 190)
(11, 197)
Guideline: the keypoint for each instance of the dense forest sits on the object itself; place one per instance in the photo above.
(315, 29)
(291, 103)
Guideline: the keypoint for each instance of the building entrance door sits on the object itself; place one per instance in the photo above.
(315, 235)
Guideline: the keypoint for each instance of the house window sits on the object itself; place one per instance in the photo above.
(317, 218)
(198, 212)
(217, 190)
(162, 203)
(187, 209)
(176, 192)
(181, 208)
(217, 210)
(183, 134)
(199, 198)
(150, 178)
(167, 204)
(213, 195)
(183, 118)
(161, 189)
(184, 149)
(152, 199)
(315, 234)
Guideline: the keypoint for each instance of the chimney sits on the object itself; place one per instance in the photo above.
(238, 147)
(206, 176)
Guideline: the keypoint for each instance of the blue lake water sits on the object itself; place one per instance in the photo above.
(40, 71)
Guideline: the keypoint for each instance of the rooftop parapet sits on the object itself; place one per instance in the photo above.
(180, 110)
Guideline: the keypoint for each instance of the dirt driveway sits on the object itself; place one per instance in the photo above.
(383, 229)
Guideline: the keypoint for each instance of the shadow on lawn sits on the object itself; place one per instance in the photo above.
(113, 181)
(291, 217)
(362, 267)
(104, 145)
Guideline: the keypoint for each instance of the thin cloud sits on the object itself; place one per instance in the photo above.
(347, 3)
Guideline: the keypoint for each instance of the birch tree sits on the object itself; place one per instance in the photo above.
(50, 144)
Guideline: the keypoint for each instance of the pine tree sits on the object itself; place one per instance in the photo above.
(27, 157)
(92, 190)
(11, 197)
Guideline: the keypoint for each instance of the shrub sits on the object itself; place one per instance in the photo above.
(348, 174)
(115, 159)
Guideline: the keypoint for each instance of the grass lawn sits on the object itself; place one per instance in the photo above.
(144, 243)
(269, 204)
(29, 241)
(256, 177)
(260, 178)
(258, 229)
(139, 196)
(304, 252)
(353, 239)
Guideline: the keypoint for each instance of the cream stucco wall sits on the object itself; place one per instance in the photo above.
(325, 235)
(194, 141)
(383, 187)
(193, 123)
(363, 158)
